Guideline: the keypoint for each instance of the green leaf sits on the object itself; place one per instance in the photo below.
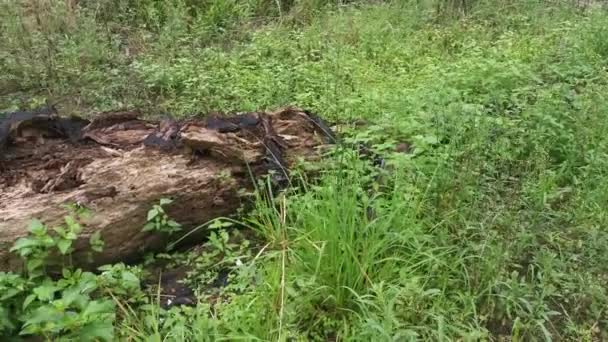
(164, 201)
(46, 241)
(217, 224)
(64, 246)
(33, 274)
(98, 307)
(6, 320)
(66, 273)
(83, 212)
(149, 227)
(24, 243)
(152, 213)
(105, 268)
(36, 227)
(96, 242)
(9, 293)
(96, 331)
(70, 295)
(33, 264)
(28, 300)
(70, 221)
(430, 139)
(130, 279)
(71, 236)
(60, 305)
(173, 224)
(44, 314)
(73, 225)
(87, 282)
(154, 338)
(46, 291)
(61, 231)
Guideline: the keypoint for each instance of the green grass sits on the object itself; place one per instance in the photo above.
(495, 228)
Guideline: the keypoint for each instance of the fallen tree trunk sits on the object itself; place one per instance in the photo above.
(119, 166)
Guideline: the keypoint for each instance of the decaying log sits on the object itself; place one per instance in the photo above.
(119, 165)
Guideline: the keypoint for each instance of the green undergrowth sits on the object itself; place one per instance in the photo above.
(492, 228)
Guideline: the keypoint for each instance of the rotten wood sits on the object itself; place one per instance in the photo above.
(119, 165)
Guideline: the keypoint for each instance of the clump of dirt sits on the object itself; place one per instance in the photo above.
(173, 289)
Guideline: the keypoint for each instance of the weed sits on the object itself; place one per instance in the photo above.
(159, 221)
(490, 227)
(41, 305)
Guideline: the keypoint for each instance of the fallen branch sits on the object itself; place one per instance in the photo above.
(119, 165)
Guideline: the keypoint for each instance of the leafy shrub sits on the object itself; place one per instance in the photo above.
(67, 307)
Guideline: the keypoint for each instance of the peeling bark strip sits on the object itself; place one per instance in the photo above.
(118, 165)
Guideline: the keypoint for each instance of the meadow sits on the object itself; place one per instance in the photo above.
(493, 227)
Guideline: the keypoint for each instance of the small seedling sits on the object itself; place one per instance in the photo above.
(159, 221)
